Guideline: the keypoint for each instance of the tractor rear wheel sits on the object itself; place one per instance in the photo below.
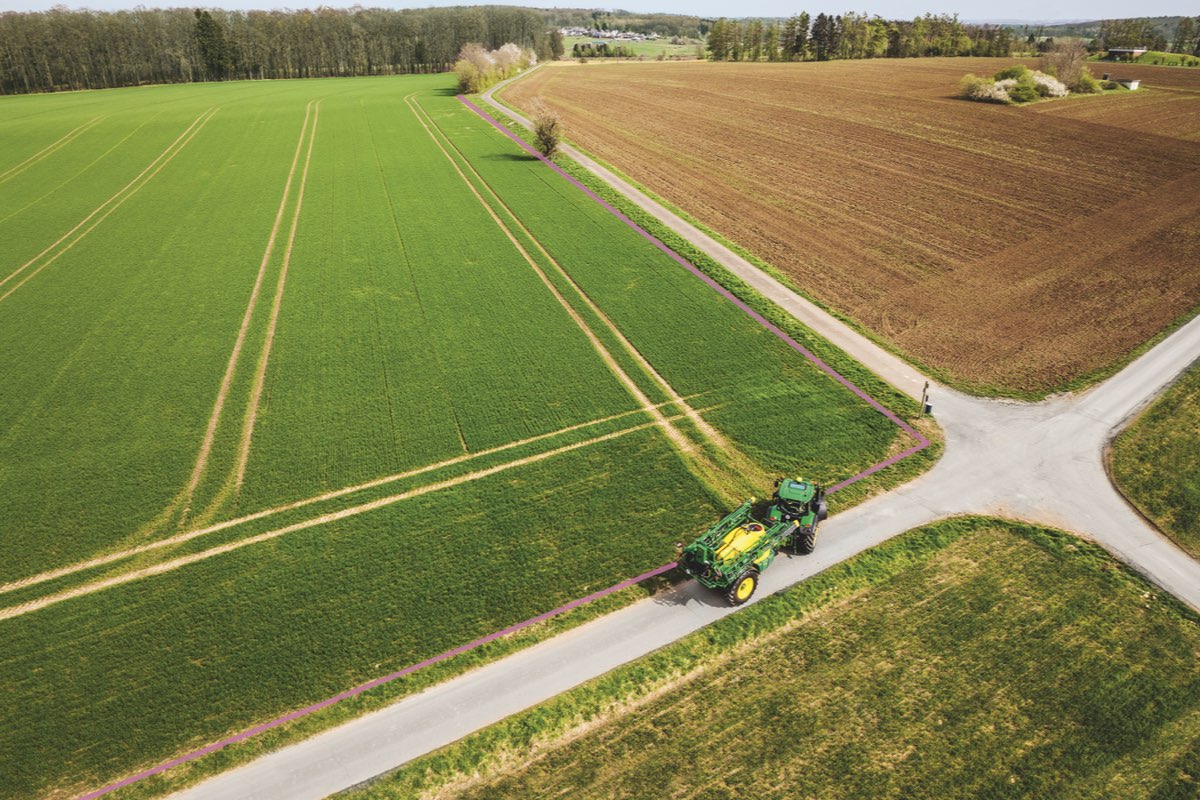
(806, 540)
(743, 588)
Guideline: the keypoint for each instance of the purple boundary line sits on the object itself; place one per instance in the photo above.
(365, 687)
(372, 684)
(728, 295)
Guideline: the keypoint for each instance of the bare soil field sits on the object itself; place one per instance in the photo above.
(1016, 251)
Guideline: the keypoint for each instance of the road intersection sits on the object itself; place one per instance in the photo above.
(1039, 462)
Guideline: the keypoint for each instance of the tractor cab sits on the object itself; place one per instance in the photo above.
(795, 500)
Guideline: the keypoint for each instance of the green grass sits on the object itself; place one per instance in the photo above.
(111, 355)
(1156, 57)
(410, 326)
(1156, 462)
(838, 360)
(647, 49)
(138, 673)
(972, 657)
(703, 345)
(402, 333)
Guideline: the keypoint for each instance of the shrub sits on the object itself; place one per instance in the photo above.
(1016, 84)
(1015, 72)
(1023, 92)
(547, 130)
(1048, 86)
(1086, 83)
(478, 68)
(974, 87)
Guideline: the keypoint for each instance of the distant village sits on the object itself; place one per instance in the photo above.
(623, 36)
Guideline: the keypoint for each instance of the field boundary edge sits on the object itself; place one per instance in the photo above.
(922, 443)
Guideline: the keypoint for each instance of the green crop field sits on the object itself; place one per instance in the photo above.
(1156, 462)
(971, 658)
(306, 381)
(647, 49)
(1155, 57)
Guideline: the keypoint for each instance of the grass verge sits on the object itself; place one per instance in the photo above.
(972, 657)
(1156, 462)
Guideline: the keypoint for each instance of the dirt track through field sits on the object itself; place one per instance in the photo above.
(185, 497)
(168, 566)
(719, 477)
(682, 442)
(260, 375)
(714, 436)
(49, 150)
(110, 205)
(187, 536)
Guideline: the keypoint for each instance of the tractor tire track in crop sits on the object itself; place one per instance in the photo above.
(194, 533)
(185, 497)
(685, 445)
(698, 462)
(269, 338)
(53, 252)
(717, 439)
(49, 149)
(334, 516)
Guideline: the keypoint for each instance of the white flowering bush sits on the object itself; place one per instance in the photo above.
(478, 68)
(1053, 86)
(1015, 84)
(984, 90)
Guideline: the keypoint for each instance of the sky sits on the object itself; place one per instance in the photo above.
(970, 10)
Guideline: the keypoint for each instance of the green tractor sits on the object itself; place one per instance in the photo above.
(732, 553)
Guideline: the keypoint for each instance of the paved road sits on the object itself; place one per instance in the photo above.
(1041, 462)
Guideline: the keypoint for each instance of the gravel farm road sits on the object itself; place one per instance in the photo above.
(1040, 462)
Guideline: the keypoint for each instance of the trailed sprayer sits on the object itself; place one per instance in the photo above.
(731, 554)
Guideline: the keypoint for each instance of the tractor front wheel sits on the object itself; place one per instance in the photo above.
(806, 540)
(743, 588)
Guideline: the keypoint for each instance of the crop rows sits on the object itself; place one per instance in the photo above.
(467, 372)
(924, 218)
(111, 356)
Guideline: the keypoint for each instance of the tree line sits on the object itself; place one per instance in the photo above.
(1132, 33)
(62, 49)
(829, 36)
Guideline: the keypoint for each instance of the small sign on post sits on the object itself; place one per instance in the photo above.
(926, 405)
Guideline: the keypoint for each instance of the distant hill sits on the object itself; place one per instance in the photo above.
(1164, 26)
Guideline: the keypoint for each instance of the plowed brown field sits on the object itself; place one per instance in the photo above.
(1015, 250)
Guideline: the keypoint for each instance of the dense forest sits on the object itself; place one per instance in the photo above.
(828, 36)
(61, 49)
